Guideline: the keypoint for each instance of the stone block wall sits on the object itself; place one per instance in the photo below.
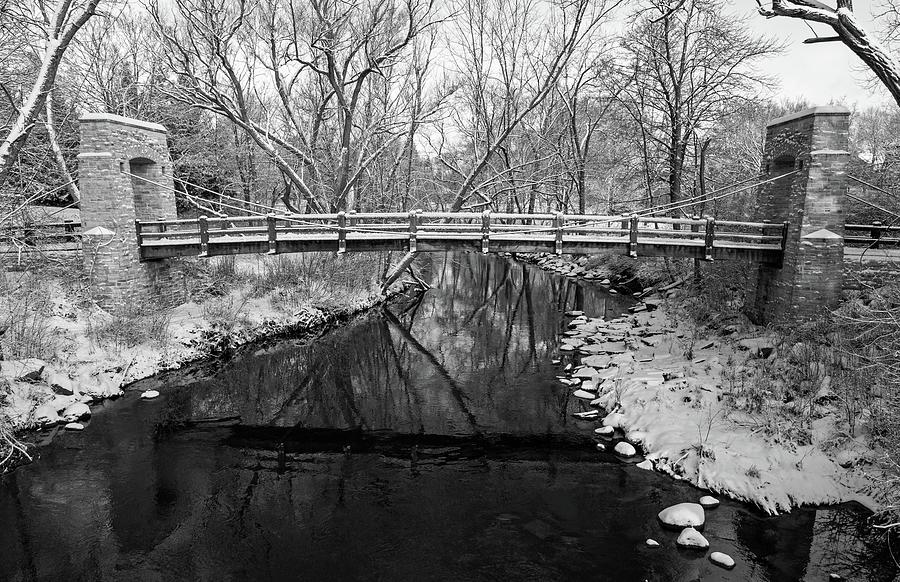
(124, 174)
(811, 146)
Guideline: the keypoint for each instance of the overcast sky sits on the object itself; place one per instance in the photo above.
(820, 72)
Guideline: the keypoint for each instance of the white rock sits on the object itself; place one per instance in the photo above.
(636, 436)
(568, 367)
(75, 411)
(555, 362)
(625, 449)
(683, 515)
(720, 559)
(574, 313)
(567, 348)
(691, 538)
(604, 430)
(601, 447)
(652, 543)
(587, 415)
(589, 386)
(149, 394)
(584, 394)
(74, 426)
(646, 464)
(709, 502)
(46, 414)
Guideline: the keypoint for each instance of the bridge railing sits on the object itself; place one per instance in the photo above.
(47, 236)
(875, 235)
(553, 231)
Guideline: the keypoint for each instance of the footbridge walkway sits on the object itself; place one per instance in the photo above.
(485, 232)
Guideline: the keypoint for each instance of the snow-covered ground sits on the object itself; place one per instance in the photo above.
(85, 369)
(680, 396)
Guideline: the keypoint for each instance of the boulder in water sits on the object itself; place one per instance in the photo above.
(683, 515)
(74, 426)
(651, 543)
(46, 415)
(584, 394)
(605, 431)
(646, 464)
(709, 502)
(721, 559)
(149, 394)
(691, 538)
(75, 411)
(625, 449)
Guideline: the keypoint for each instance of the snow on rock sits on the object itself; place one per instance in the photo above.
(74, 426)
(691, 538)
(574, 313)
(149, 394)
(601, 447)
(652, 543)
(587, 414)
(646, 464)
(683, 515)
(614, 419)
(758, 346)
(709, 502)
(46, 414)
(584, 394)
(604, 430)
(28, 369)
(721, 559)
(625, 449)
(75, 411)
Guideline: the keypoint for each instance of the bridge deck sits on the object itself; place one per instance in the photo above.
(484, 232)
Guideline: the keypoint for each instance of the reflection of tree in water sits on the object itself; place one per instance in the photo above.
(816, 543)
(471, 354)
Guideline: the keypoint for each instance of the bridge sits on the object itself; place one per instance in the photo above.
(484, 232)
(131, 235)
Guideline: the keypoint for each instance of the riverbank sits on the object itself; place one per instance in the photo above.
(95, 354)
(719, 406)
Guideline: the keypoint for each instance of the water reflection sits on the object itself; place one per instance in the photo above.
(430, 441)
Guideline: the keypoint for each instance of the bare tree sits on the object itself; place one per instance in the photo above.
(687, 67)
(849, 30)
(509, 55)
(317, 85)
(57, 25)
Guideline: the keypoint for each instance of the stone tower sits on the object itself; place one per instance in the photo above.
(812, 146)
(124, 173)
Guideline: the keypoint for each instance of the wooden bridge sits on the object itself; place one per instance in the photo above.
(485, 232)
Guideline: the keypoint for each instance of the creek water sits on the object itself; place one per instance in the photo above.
(429, 440)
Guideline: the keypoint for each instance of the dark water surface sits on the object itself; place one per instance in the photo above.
(430, 441)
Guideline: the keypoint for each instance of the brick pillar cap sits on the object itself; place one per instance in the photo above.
(822, 110)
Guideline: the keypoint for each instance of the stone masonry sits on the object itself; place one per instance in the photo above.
(124, 173)
(813, 143)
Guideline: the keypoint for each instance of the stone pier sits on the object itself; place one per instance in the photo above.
(812, 146)
(124, 173)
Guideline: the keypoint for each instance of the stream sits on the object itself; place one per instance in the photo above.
(426, 440)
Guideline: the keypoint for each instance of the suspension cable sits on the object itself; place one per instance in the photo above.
(874, 187)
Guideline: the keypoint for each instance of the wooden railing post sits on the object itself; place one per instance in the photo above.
(695, 227)
(559, 224)
(342, 232)
(138, 230)
(876, 233)
(710, 237)
(784, 235)
(633, 236)
(413, 230)
(273, 233)
(485, 231)
(69, 226)
(204, 236)
(352, 219)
